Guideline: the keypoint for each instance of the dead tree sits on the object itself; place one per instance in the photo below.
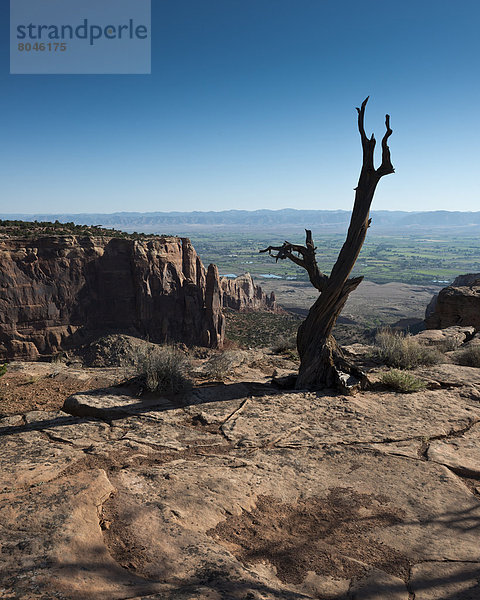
(322, 363)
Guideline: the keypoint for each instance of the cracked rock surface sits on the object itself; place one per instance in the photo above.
(244, 492)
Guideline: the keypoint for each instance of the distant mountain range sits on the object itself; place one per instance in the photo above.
(332, 220)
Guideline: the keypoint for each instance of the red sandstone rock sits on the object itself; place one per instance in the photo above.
(458, 304)
(242, 294)
(61, 292)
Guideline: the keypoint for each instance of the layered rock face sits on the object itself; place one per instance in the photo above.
(457, 304)
(60, 292)
(242, 294)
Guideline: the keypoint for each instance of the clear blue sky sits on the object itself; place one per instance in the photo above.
(251, 105)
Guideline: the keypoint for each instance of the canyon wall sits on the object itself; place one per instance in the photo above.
(60, 292)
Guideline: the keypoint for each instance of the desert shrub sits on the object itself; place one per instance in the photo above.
(58, 357)
(469, 357)
(230, 344)
(292, 354)
(449, 344)
(402, 381)
(166, 370)
(221, 365)
(3, 369)
(284, 343)
(402, 351)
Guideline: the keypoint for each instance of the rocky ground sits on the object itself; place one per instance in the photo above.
(239, 490)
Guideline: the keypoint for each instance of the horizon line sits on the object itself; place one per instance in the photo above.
(177, 212)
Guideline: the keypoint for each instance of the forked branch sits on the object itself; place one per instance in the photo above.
(303, 256)
(368, 145)
(386, 167)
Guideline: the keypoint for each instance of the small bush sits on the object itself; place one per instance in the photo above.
(220, 366)
(3, 369)
(284, 344)
(449, 344)
(292, 355)
(165, 370)
(403, 382)
(470, 357)
(396, 349)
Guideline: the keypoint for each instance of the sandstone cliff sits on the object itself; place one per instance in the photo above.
(59, 292)
(242, 294)
(457, 304)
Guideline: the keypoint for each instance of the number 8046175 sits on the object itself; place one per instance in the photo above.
(47, 47)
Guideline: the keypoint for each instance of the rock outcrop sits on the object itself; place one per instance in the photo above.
(242, 293)
(457, 304)
(235, 493)
(446, 339)
(60, 292)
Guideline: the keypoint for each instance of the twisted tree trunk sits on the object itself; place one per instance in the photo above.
(322, 363)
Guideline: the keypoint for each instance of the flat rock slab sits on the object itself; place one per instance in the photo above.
(112, 404)
(242, 492)
(28, 457)
(447, 375)
(61, 427)
(296, 419)
(168, 431)
(376, 512)
(441, 581)
(461, 454)
(56, 542)
(379, 585)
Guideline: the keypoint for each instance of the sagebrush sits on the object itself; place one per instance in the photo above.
(402, 381)
(469, 357)
(221, 366)
(284, 343)
(402, 351)
(165, 370)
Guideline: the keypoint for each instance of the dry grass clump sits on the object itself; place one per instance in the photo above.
(402, 381)
(222, 365)
(165, 370)
(284, 343)
(396, 349)
(469, 357)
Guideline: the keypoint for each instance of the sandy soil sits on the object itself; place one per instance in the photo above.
(44, 386)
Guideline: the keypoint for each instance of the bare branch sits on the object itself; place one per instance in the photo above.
(368, 144)
(386, 167)
(284, 252)
(307, 262)
(300, 249)
(361, 120)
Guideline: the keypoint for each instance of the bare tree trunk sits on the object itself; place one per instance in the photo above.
(322, 363)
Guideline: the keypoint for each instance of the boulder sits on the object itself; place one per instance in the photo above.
(446, 339)
(456, 305)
